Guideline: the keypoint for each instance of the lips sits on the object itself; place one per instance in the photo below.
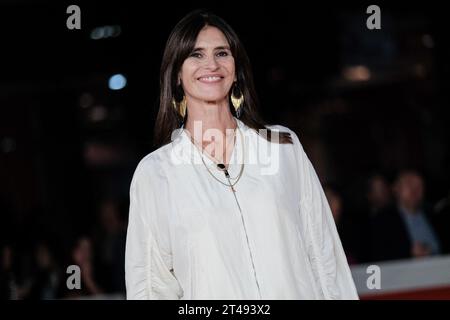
(210, 78)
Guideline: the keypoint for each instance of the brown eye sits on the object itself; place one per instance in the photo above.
(195, 55)
(222, 54)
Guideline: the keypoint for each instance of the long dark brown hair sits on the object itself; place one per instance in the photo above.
(179, 46)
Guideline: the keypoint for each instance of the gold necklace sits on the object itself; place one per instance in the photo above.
(214, 159)
(221, 166)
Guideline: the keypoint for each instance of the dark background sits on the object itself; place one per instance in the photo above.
(67, 141)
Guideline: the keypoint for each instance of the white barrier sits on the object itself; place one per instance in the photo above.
(405, 275)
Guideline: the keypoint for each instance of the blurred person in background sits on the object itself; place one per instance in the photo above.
(405, 230)
(379, 194)
(343, 222)
(109, 241)
(81, 255)
(377, 198)
(8, 284)
(46, 275)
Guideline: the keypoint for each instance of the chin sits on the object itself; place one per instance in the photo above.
(213, 98)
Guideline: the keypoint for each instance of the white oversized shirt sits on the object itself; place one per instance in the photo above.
(189, 237)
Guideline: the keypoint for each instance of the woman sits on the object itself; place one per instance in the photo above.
(212, 218)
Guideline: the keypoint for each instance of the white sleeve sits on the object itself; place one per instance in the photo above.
(325, 251)
(147, 264)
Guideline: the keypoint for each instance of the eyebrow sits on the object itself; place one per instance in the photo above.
(216, 48)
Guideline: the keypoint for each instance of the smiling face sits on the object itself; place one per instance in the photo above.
(209, 71)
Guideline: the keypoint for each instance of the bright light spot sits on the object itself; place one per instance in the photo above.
(97, 33)
(108, 31)
(117, 82)
(104, 32)
(356, 73)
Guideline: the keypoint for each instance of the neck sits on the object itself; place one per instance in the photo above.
(209, 115)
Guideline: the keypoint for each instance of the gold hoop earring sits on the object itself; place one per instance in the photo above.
(180, 107)
(237, 99)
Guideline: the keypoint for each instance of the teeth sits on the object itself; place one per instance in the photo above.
(210, 78)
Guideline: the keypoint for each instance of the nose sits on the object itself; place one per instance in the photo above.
(211, 63)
